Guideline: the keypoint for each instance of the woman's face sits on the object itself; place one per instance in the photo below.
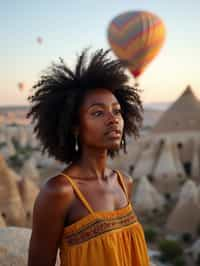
(101, 123)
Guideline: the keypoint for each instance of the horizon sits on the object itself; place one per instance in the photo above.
(65, 29)
(150, 105)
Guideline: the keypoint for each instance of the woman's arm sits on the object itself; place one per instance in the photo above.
(50, 209)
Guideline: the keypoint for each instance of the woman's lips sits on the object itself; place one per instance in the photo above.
(114, 134)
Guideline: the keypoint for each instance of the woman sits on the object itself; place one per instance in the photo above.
(82, 117)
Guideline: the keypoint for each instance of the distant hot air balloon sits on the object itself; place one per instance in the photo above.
(39, 40)
(21, 86)
(136, 38)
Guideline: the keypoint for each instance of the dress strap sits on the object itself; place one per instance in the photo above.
(124, 187)
(79, 193)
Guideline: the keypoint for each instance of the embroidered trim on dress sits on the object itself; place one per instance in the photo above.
(100, 226)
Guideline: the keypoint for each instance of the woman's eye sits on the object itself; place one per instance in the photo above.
(97, 113)
(118, 111)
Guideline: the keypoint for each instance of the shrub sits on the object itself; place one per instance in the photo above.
(2, 144)
(16, 144)
(15, 161)
(187, 237)
(170, 249)
(150, 234)
(179, 261)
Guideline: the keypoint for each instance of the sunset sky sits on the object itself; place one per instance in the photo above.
(69, 26)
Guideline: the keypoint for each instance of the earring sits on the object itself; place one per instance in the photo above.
(123, 140)
(76, 142)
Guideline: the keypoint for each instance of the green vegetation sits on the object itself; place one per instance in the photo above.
(150, 234)
(170, 248)
(13, 124)
(15, 161)
(179, 261)
(172, 252)
(187, 237)
(23, 152)
(2, 144)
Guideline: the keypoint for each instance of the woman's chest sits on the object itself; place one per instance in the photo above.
(99, 198)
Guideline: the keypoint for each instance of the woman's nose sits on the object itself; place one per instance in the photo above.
(111, 118)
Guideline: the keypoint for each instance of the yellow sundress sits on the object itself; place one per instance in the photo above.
(104, 238)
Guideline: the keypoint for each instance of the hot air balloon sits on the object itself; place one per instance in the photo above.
(136, 38)
(39, 40)
(21, 86)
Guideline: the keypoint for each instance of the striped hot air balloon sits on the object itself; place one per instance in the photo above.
(39, 40)
(21, 86)
(136, 38)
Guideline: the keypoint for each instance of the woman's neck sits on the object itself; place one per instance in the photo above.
(92, 165)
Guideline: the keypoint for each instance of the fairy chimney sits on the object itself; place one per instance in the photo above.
(28, 191)
(11, 207)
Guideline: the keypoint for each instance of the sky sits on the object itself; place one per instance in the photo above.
(67, 27)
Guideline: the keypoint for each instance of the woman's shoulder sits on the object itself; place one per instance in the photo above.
(128, 178)
(128, 182)
(55, 191)
(56, 185)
